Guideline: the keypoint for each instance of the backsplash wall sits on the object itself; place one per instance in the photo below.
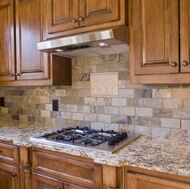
(156, 110)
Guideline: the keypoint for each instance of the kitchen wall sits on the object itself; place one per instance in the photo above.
(156, 110)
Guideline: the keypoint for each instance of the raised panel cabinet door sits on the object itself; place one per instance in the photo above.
(61, 15)
(185, 35)
(7, 41)
(9, 177)
(40, 181)
(99, 11)
(73, 186)
(155, 36)
(138, 181)
(31, 63)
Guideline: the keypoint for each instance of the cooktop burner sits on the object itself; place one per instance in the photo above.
(104, 140)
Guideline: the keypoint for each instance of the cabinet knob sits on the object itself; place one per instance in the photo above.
(73, 20)
(173, 64)
(14, 174)
(184, 63)
(11, 75)
(18, 74)
(80, 18)
(109, 187)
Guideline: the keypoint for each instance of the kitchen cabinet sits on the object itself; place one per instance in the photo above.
(14, 166)
(58, 170)
(159, 40)
(143, 179)
(21, 63)
(64, 17)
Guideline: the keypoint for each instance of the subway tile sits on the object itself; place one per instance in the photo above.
(144, 112)
(172, 103)
(119, 102)
(45, 113)
(181, 93)
(129, 111)
(78, 116)
(161, 93)
(185, 124)
(111, 110)
(161, 132)
(153, 103)
(171, 123)
(104, 118)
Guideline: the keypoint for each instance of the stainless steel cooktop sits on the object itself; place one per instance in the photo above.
(83, 137)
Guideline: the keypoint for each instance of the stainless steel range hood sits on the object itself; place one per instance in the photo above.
(103, 42)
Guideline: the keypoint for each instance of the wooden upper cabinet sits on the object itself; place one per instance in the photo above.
(66, 17)
(185, 35)
(7, 40)
(160, 42)
(98, 11)
(61, 15)
(31, 63)
(155, 36)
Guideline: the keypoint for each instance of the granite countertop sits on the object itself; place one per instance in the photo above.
(170, 155)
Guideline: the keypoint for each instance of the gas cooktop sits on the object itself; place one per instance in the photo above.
(84, 137)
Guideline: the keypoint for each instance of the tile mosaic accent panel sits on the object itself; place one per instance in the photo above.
(104, 84)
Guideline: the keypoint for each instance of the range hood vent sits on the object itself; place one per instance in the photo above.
(103, 42)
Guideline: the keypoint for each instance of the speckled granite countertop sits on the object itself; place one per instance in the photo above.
(165, 155)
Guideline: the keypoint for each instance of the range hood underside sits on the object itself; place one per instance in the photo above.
(106, 42)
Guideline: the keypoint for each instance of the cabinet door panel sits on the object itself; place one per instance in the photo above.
(61, 15)
(7, 61)
(31, 63)
(139, 181)
(185, 33)
(155, 36)
(40, 181)
(9, 177)
(98, 11)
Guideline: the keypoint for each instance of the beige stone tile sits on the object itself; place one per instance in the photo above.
(4, 110)
(172, 103)
(45, 113)
(90, 101)
(90, 117)
(104, 118)
(161, 93)
(153, 103)
(181, 93)
(185, 124)
(143, 130)
(78, 116)
(66, 115)
(111, 126)
(111, 110)
(144, 112)
(128, 93)
(161, 132)
(119, 101)
(171, 123)
(60, 92)
(186, 103)
(129, 111)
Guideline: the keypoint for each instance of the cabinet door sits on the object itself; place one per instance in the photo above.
(73, 186)
(138, 181)
(40, 181)
(155, 36)
(61, 15)
(31, 63)
(9, 177)
(7, 60)
(185, 35)
(98, 11)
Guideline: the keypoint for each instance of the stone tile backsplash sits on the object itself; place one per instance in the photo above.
(156, 110)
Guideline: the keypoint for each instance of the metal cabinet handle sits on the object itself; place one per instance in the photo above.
(57, 187)
(73, 20)
(14, 174)
(173, 64)
(80, 18)
(11, 75)
(18, 74)
(185, 63)
(109, 187)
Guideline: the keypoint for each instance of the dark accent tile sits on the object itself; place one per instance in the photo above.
(15, 117)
